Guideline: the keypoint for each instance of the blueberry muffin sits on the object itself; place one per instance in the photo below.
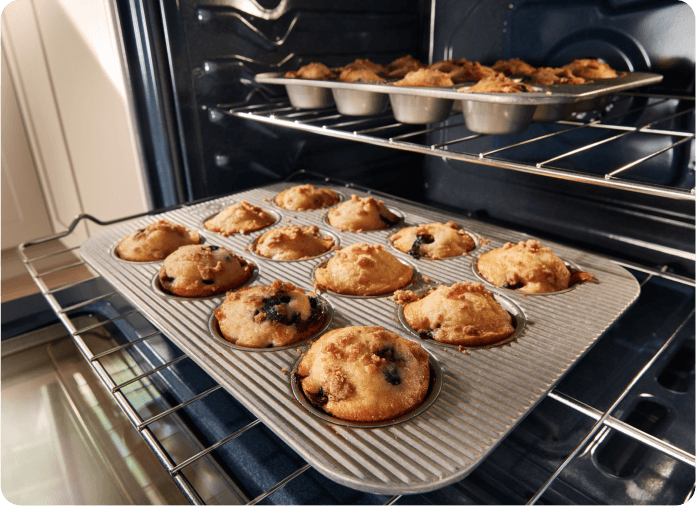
(306, 197)
(363, 269)
(547, 75)
(434, 240)
(464, 314)
(425, 77)
(471, 71)
(497, 84)
(526, 266)
(292, 243)
(202, 271)
(155, 241)
(269, 316)
(239, 218)
(365, 374)
(402, 66)
(513, 67)
(362, 214)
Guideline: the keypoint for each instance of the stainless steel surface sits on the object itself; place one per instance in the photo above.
(416, 109)
(485, 392)
(492, 118)
(359, 103)
(379, 136)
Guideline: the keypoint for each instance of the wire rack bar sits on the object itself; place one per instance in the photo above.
(624, 428)
(602, 420)
(215, 446)
(105, 322)
(280, 484)
(87, 302)
(126, 345)
(61, 268)
(173, 409)
(53, 254)
(157, 369)
(306, 120)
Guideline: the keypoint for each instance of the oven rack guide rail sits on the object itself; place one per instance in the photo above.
(38, 263)
(376, 130)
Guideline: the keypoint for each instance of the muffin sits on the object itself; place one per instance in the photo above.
(498, 84)
(402, 66)
(434, 240)
(546, 76)
(201, 271)
(365, 64)
(311, 71)
(239, 218)
(464, 314)
(362, 214)
(365, 374)
(425, 78)
(269, 316)
(359, 76)
(471, 71)
(306, 197)
(292, 243)
(155, 241)
(590, 69)
(513, 67)
(363, 269)
(526, 266)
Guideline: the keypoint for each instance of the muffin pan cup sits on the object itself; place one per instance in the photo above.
(485, 392)
(557, 101)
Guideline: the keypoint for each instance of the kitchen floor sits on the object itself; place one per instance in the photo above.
(65, 440)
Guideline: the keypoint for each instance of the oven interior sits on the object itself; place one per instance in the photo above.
(206, 131)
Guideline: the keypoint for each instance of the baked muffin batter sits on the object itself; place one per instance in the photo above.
(434, 240)
(239, 218)
(425, 78)
(471, 71)
(464, 313)
(498, 84)
(365, 64)
(402, 66)
(359, 76)
(292, 243)
(269, 316)
(363, 269)
(306, 197)
(365, 374)
(202, 271)
(155, 241)
(547, 76)
(311, 71)
(526, 266)
(362, 214)
(513, 67)
(591, 69)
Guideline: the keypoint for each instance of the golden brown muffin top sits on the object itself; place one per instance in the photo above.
(498, 84)
(365, 374)
(589, 68)
(306, 197)
(433, 240)
(362, 214)
(155, 241)
(292, 243)
(402, 66)
(312, 70)
(239, 218)
(425, 78)
(513, 67)
(548, 75)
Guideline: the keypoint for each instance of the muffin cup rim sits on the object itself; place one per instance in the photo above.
(434, 389)
(572, 267)
(214, 331)
(157, 287)
(519, 317)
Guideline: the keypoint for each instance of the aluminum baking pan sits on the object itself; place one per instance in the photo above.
(417, 109)
(550, 94)
(358, 102)
(492, 118)
(485, 392)
(305, 96)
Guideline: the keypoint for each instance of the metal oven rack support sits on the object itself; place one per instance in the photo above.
(329, 122)
(27, 252)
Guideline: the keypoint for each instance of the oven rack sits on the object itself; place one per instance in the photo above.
(377, 130)
(41, 266)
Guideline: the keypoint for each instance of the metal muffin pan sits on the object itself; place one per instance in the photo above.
(556, 101)
(485, 392)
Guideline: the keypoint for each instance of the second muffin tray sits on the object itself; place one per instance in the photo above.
(482, 393)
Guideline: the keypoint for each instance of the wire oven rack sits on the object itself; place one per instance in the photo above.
(42, 266)
(377, 130)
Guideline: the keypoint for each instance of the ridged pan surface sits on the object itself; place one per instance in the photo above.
(485, 392)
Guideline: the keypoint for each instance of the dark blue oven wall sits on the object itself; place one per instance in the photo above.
(186, 57)
(552, 33)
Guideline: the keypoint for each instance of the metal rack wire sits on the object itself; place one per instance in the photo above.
(37, 266)
(329, 122)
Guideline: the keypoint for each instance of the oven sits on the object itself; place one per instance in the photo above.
(616, 180)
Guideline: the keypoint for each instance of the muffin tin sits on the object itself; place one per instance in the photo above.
(484, 391)
(490, 113)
